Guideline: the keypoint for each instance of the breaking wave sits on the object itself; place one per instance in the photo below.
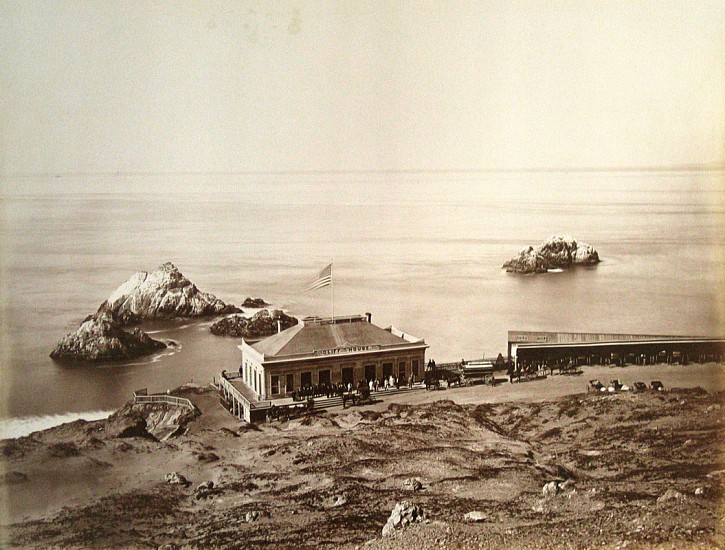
(25, 425)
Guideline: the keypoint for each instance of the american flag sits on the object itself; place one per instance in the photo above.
(323, 279)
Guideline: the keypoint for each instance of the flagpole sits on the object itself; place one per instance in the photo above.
(332, 293)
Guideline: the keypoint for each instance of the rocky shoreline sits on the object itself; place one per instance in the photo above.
(555, 253)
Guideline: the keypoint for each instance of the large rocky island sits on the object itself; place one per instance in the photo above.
(555, 253)
(101, 338)
(261, 325)
(162, 294)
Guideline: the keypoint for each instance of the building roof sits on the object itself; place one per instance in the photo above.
(325, 338)
(530, 339)
(524, 337)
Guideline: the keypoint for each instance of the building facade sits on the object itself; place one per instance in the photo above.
(527, 348)
(343, 350)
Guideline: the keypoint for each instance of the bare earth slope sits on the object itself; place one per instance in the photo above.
(333, 478)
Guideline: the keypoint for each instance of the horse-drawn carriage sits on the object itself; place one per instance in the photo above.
(596, 386)
(525, 373)
(434, 377)
(617, 385)
(479, 371)
(289, 411)
(359, 397)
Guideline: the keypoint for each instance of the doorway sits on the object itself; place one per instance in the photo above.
(401, 370)
(306, 379)
(370, 372)
(387, 370)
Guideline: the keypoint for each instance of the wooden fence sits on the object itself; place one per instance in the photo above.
(141, 399)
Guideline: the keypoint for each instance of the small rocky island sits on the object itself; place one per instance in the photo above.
(261, 325)
(555, 253)
(162, 294)
(101, 338)
(254, 303)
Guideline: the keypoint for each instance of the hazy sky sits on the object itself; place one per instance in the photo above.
(165, 87)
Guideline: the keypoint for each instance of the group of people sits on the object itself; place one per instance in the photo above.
(334, 390)
(390, 382)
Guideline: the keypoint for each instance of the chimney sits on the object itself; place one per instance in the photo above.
(370, 317)
(279, 326)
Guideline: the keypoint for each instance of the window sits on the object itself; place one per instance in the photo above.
(275, 385)
(290, 383)
(324, 377)
(414, 368)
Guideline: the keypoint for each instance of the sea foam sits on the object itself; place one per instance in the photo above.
(25, 425)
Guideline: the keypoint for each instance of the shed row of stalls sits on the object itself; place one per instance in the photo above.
(551, 350)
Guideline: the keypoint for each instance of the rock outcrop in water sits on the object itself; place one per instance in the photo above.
(261, 325)
(254, 303)
(101, 338)
(554, 253)
(161, 294)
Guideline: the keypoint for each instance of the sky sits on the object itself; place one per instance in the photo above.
(256, 87)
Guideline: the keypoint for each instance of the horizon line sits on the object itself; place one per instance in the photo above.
(391, 171)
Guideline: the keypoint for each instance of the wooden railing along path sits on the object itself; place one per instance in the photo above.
(140, 397)
(241, 406)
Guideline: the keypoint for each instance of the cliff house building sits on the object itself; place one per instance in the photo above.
(339, 350)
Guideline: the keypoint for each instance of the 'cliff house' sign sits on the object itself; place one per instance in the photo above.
(340, 351)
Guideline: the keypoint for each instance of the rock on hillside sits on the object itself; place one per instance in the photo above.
(261, 325)
(161, 294)
(153, 421)
(100, 338)
(554, 253)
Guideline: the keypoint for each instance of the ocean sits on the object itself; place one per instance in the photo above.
(422, 252)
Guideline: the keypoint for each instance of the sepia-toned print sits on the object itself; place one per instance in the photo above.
(380, 275)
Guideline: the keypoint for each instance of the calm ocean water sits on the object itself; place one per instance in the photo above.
(422, 253)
